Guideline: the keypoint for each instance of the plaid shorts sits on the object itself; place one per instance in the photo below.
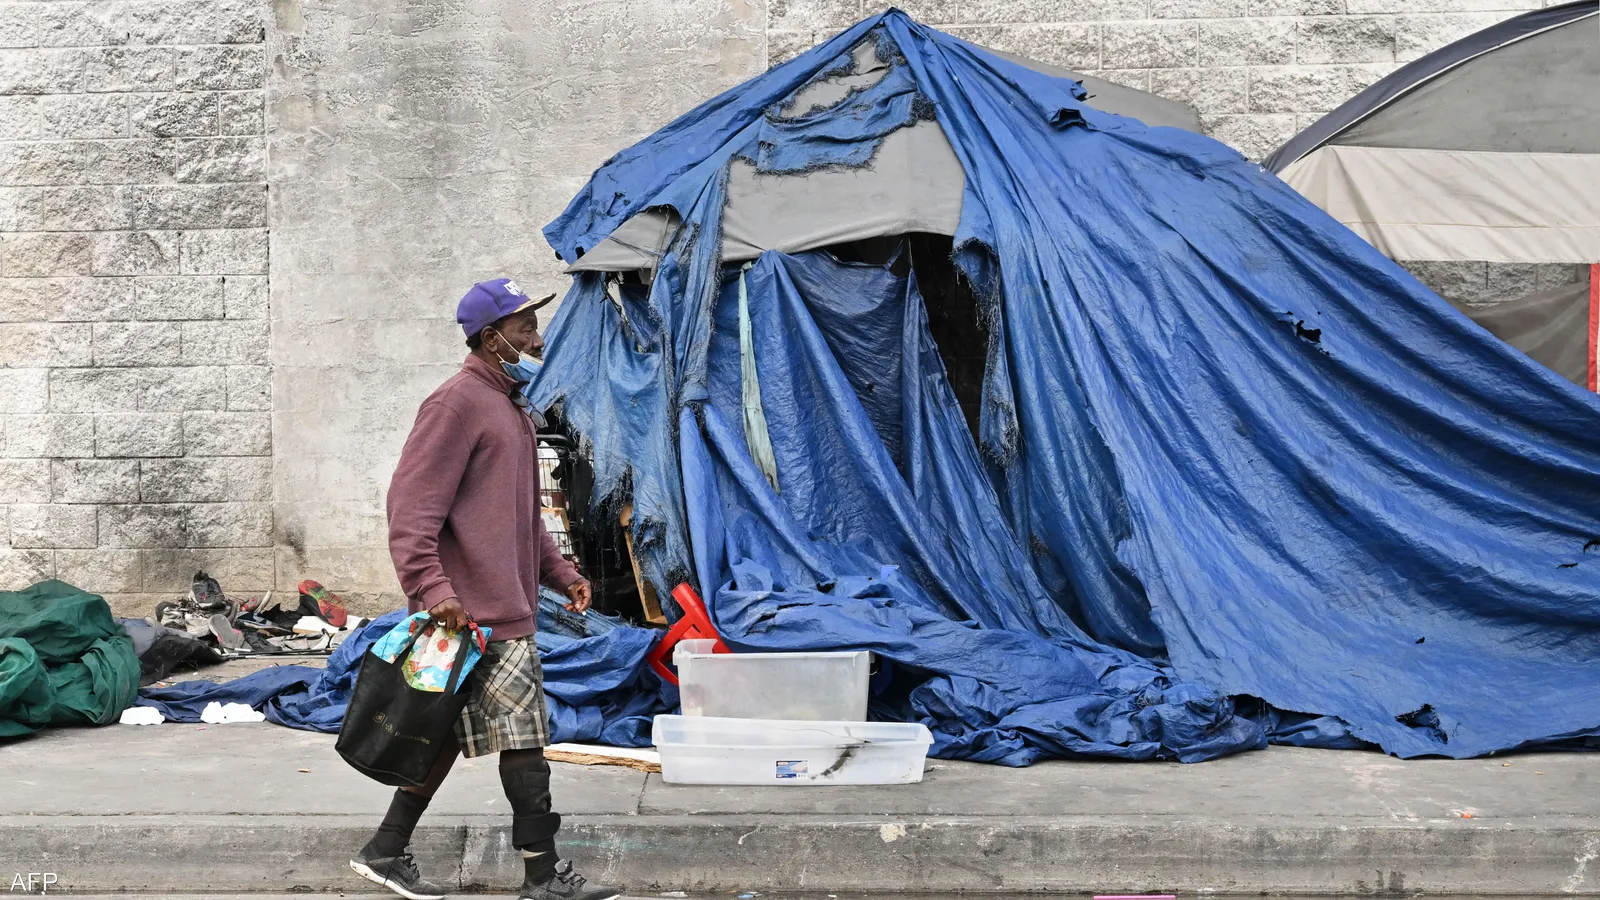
(506, 710)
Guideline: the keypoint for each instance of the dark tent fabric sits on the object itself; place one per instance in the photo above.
(1550, 326)
(1228, 450)
(161, 650)
(63, 660)
(1474, 94)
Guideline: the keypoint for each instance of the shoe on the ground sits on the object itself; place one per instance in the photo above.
(316, 600)
(398, 874)
(183, 617)
(227, 636)
(565, 884)
(253, 605)
(206, 593)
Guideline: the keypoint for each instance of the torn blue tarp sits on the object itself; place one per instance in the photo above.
(598, 687)
(185, 700)
(1229, 452)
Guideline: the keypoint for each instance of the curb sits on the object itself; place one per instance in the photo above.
(776, 853)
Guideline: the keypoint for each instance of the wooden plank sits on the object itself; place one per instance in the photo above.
(594, 755)
(647, 592)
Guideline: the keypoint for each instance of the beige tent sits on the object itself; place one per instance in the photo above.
(1487, 150)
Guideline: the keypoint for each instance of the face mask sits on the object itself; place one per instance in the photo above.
(523, 369)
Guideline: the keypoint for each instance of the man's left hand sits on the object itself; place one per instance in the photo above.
(578, 593)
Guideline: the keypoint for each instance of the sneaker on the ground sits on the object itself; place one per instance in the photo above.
(206, 594)
(565, 884)
(227, 636)
(398, 874)
(316, 600)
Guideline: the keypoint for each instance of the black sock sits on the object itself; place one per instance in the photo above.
(394, 835)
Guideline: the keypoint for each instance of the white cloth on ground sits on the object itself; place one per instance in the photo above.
(141, 715)
(217, 714)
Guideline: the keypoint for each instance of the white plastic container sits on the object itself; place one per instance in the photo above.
(768, 751)
(813, 687)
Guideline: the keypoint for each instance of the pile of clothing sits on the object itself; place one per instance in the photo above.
(206, 627)
(64, 660)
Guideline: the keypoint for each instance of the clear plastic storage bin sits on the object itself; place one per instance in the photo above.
(828, 687)
(769, 751)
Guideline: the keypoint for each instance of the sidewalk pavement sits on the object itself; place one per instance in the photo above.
(259, 808)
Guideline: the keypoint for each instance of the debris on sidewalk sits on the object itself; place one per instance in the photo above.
(596, 755)
(161, 650)
(206, 627)
(141, 715)
(319, 602)
(313, 625)
(227, 714)
(228, 637)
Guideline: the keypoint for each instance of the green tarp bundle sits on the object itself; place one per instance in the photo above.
(64, 660)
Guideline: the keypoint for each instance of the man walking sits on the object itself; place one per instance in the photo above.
(468, 542)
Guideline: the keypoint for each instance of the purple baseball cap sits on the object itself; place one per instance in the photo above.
(490, 301)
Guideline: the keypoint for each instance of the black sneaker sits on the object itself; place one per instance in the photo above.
(206, 594)
(398, 874)
(565, 884)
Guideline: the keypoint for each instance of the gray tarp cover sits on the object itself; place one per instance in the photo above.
(1484, 150)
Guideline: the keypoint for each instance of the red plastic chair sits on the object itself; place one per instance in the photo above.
(695, 625)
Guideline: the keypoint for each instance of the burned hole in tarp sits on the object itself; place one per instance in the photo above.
(1426, 721)
(841, 116)
(1306, 331)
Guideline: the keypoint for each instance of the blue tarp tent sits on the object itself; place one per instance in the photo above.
(1232, 473)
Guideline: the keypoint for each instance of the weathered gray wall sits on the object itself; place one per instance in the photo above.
(416, 149)
(155, 417)
(1258, 71)
(134, 436)
(1485, 284)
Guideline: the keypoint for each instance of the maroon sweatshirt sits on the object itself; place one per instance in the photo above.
(464, 509)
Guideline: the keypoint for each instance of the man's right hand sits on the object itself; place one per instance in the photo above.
(450, 614)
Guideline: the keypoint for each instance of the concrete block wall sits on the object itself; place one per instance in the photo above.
(416, 149)
(135, 392)
(1258, 71)
(1479, 284)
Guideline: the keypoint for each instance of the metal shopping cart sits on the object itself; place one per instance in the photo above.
(594, 539)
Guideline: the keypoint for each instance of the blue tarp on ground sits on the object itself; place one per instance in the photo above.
(1228, 450)
(598, 688)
